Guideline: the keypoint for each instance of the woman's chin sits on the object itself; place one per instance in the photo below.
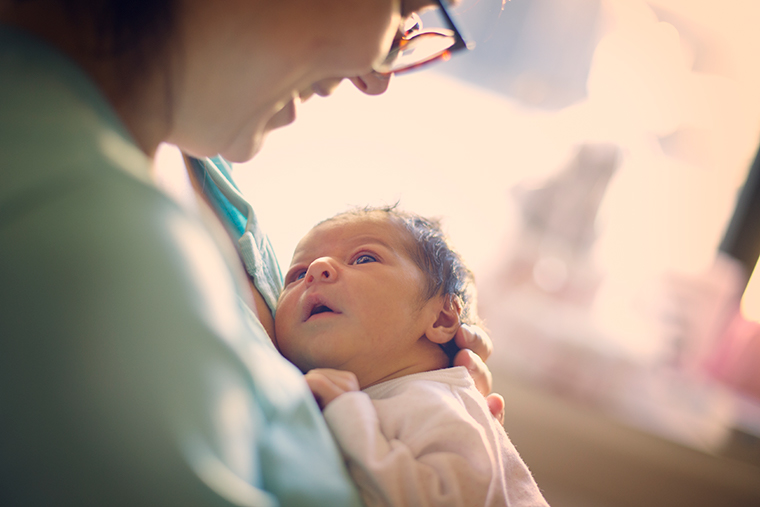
(245, 147)
(244, 150)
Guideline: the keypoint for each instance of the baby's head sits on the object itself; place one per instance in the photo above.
(374, 291)
(429, 248)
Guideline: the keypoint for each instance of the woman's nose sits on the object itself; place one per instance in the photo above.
(321, 270)
(372, 83)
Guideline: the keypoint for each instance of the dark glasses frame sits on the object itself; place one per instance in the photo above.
(459, 44)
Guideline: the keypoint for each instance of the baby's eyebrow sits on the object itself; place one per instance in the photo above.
(368, 240)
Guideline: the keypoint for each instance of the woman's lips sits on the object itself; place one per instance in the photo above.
(285, 116)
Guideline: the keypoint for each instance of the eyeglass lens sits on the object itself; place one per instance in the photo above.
(426, 38)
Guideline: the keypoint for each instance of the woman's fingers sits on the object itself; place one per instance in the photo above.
(477, 368)
(495, 404)
(483, 381)
(475, 339)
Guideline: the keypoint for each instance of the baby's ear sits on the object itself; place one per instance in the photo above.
(446, 324)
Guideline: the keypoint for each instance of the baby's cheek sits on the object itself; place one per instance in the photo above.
(280, 325)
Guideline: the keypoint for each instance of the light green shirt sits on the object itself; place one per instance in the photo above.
(130, 373)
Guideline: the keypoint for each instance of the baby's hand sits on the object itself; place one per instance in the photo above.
(327, 384)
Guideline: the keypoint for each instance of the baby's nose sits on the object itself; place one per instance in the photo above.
(321, 270)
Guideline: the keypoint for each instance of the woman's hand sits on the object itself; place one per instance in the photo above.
(327, 384)
(476, 346)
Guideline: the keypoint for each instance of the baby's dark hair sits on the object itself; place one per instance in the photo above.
(430, 249)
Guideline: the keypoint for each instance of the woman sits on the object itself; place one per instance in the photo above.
(135, 367)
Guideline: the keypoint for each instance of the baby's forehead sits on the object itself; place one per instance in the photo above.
(344, 229)
(363, 220)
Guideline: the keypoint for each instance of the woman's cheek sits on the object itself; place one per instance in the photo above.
(386, 39)
(369, 37)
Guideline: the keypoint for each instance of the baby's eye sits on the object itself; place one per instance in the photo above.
(294, 276)
(365, 258)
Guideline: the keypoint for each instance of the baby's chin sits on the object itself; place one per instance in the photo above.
(307, 362)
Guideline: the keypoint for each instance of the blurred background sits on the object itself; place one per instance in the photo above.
(587, 158)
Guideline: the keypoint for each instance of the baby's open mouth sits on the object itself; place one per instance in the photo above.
(317, 305)
(320, 309)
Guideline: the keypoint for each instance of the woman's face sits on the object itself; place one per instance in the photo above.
(371, 83)
(243, 64)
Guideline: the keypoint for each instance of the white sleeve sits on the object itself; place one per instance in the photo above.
(434, 452)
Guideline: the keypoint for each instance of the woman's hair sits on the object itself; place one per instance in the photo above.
(132, 28)
(430, 249)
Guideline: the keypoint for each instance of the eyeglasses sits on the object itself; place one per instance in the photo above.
(415, 46)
